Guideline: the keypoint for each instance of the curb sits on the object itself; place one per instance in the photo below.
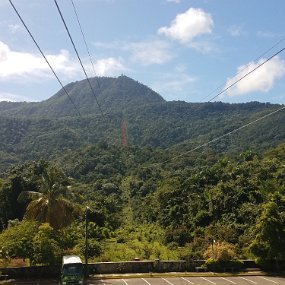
(149, 275)
(174, 274)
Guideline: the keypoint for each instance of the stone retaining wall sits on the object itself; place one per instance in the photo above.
(139, 267)
(109, 268)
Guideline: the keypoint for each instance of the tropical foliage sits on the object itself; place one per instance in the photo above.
(147, 210)
(159, 197)
(48, 205)
(32, 131)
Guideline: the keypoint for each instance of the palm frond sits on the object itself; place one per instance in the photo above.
(36, 208)
(49, 205)
(26, 196)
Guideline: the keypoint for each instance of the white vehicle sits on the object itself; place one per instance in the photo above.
(72, 272)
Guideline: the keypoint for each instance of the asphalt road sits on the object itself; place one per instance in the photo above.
(239, 280)
(205, 280)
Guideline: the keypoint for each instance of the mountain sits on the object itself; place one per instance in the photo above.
(48, 129)
(111, 94)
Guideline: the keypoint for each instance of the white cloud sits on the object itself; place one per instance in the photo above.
(156, 52)
(109, 66)
(236, 31)
(267, 34)
(29, 66)
(174, 1)
(187, 26)
(6, 96)
(175, 85)
(14, 64)
(144, 52)
(261, 80)
(14, 28)
(178, 83)
(203, 46)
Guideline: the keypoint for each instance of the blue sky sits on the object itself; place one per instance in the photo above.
(182, 49)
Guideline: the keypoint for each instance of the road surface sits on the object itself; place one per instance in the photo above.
(205, 280)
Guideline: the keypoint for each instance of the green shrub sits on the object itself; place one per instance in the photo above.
(222, 265)
(221, 251)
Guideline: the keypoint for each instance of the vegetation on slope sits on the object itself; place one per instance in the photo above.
(160, 197)
(178, 125)
(151, 210)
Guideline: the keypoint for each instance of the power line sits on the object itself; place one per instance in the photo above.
(21, 19)
(258, 58)
(87, 49)
(246, 125)
(227, 88)
(75, 49)
(222, 136)
(85, 42)
(237, 129)
(194, 149)
(271, 48)
(248, 73)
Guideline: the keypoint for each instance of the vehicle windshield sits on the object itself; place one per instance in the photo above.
(72, 269)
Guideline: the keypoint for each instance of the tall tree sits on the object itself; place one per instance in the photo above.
(269, 242)
(50, 205)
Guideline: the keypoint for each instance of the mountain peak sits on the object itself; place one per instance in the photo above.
(112, 95)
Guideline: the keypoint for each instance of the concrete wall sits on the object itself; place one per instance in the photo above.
(140, 267)
(31, 272)
(102, 268)
(109, 267)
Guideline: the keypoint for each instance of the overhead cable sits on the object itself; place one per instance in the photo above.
(236, 130)
(87, 49)
(85, 42)
(248, 73)
(256, 59)
(64, 89)
(243, 126)
(222, 136)
(75, 49)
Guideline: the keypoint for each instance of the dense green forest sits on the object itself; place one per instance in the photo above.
(31, 131)
(149, 205)
(158, 197)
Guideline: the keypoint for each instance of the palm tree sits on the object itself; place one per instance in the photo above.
(49, 205)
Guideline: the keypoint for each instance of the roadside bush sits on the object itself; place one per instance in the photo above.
(46, 249)
(222, 257)
(221, 251)
(271, 265)
(94, 248)
(16, 241)
(221, 265)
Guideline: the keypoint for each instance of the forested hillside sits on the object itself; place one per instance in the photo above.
(111, 94)
(169, 193)
(31, 131)
(150, 205)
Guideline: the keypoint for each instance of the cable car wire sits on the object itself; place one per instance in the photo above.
(76, 51)
(258, 58)
(248, 73)
(220, 137)
(85, 42)
(42, 53)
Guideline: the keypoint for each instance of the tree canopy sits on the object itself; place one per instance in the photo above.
(147, 209)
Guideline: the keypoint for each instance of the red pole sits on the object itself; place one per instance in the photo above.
(123, 134)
